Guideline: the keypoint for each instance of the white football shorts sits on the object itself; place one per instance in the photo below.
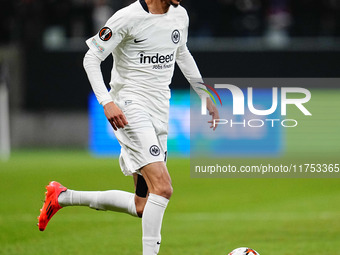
(143, 139)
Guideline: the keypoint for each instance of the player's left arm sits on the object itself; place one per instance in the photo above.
(212, 109)
(188, 66)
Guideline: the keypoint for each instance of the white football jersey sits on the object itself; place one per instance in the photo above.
(144, 47)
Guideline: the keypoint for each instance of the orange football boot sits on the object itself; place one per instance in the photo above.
(51, 205)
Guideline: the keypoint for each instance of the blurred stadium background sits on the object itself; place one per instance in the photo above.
(42, 44)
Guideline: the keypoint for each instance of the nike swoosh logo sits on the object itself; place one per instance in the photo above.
(139, 41)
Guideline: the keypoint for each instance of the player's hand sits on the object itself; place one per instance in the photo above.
(115, 116)
(212, 109)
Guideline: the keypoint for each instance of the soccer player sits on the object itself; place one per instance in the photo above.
(146, 39)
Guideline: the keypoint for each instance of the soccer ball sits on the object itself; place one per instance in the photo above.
(244, 251)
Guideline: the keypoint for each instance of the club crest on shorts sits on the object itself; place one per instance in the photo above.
(154, 150)
(105, 34)
(175, 36)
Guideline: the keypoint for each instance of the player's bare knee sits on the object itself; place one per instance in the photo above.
(164, 190)
(169, 192)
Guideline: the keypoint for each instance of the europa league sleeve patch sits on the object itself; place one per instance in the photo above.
(105, 34)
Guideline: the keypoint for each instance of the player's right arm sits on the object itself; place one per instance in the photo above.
(100, 46)
(112, 112)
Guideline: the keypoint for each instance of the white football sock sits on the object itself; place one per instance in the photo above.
(152, 223)
(112, 200)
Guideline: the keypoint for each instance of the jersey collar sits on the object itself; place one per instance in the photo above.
(144, 5)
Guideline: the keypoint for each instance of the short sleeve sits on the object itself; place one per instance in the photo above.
(107, 39)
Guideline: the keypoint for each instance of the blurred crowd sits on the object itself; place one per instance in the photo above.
(33, 23)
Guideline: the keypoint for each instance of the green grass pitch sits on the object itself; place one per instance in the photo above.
(204, 216)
